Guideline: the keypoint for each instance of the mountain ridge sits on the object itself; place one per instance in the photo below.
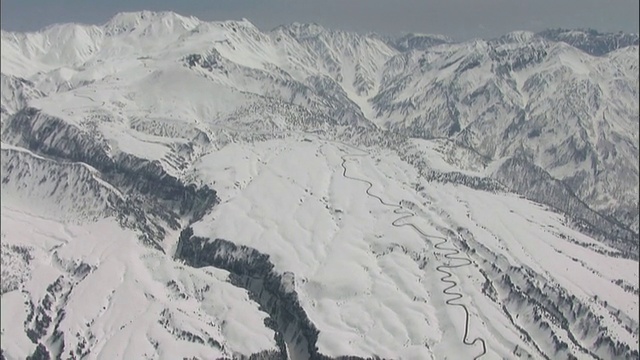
(215, 182)
(517, 69)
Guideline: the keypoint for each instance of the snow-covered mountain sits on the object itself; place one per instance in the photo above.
(179, 188)
(592, 41)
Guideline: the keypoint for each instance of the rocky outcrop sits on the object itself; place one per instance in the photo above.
(591, 41)
(154, 198)
(275, 292)
(523, 177)
(418, 42)
(536, 305)
(54, 137)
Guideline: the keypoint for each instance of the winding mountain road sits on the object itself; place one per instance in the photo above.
(451, 254)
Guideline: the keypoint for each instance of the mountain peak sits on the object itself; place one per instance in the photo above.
(302, 30)
(243, 23)
(517, 37)
(125, 22)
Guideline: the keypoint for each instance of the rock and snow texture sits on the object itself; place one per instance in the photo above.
(174, 188)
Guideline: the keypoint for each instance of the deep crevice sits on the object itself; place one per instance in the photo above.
(274, 292)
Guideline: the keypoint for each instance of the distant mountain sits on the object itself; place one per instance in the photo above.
(418, 42)
(591, 41)
(521, 93)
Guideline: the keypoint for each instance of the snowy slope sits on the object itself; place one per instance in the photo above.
(179, 188)
(77, 282)
(516, 87)
(334, 228)
(563, 109)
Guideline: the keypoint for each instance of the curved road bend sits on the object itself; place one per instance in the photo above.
(451, 255)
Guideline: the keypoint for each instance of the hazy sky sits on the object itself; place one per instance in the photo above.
(460, 19)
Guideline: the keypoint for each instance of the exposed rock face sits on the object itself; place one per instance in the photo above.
(275, 292)
(16, 93)
(253, 271)
(592, 41)
(53, 137)
(552, 308)
(525, 178)
(152, 200)
(15, 267)
(418, 42)
(525, 93)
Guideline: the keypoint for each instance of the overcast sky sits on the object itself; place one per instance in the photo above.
(461, 19)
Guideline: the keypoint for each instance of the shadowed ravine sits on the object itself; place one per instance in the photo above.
(451, 255)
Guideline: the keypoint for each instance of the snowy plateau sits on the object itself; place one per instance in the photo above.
(180, 189)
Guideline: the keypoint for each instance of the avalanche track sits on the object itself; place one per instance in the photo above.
(451, 254)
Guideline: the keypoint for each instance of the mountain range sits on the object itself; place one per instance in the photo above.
(176, 188)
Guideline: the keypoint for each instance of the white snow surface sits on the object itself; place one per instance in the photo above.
(357, 275)
(238, 121)
(115, 310)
